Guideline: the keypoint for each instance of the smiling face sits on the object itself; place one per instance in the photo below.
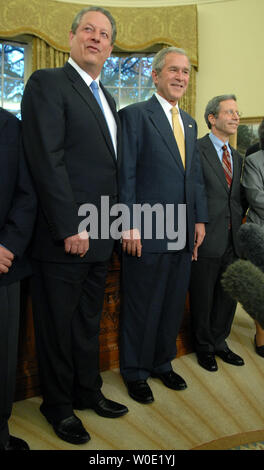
(91, 44)
(172, 81)
(227, 120)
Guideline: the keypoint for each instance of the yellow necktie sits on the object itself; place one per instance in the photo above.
(178, 133)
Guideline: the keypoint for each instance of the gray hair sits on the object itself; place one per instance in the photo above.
(105, 12)
(159, 59)
(261, 134)
(214, 105)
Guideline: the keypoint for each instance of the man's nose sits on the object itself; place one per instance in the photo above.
(96, 35)
(179, 75)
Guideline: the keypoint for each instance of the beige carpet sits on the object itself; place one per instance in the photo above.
(219, 410)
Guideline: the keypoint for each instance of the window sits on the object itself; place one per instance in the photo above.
(128, 79)
(12, 66)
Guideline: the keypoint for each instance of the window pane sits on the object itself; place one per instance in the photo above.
(128, 96)
(115, 94)
(110, 72)
(12, 94)
(130, 71)
(14, 61)
(146, 69)
(146, 93)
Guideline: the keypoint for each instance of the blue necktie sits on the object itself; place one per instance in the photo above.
(95, 90)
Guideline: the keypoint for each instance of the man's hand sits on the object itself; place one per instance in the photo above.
(131, 242)
(198, 239)
(77, 244)
(6, 259)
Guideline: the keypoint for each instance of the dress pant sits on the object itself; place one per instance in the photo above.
(67, 305)
(9, 325)
(154, 289)
(212, 309)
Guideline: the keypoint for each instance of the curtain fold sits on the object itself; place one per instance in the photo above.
(46, 56)
(187, 102)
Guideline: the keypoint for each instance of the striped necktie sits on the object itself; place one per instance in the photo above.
(226, 162)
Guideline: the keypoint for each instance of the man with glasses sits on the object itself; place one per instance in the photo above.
(212, 310)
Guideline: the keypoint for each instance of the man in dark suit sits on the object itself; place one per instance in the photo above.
(72, 145)
(212, 310)
(17, 217)
(156, 266)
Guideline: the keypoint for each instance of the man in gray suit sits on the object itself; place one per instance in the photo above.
(212, 310)
(252, 182)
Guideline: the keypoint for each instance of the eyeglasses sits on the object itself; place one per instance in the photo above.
(231, 112)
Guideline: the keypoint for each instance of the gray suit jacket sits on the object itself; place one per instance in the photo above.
(224, 206)
(253, 182)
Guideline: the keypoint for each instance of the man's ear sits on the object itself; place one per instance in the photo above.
(71, 36)
(154, 76)
(211, 119)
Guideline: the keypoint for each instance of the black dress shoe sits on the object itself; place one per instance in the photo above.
(140, 391)
(108, 408)
(231, 358)
(207, 360)
(71, 430)
(14, 443)
(259, 349)
(171, 380)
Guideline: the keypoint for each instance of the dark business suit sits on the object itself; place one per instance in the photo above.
(72, 159)
(155, 285)
(212, 310)
(252, 149)
(17, 216)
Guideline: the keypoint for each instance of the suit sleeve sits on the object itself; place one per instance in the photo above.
(17, 230)
(201, 209)
(43, 119)
(252, 181)
(128, 168)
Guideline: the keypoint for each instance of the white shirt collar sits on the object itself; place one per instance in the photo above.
(165, 103)
(85, 76)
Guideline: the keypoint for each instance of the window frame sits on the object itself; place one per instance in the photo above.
(23, 42)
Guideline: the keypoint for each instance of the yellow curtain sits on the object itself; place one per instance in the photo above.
(45, 56)
(139, 29)
(187, 102)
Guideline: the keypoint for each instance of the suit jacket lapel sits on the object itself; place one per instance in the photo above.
(3, 120)
(160, 121)
(213, 160)
(117, 120)
(189, 140)
(236, 170)
(83, 90)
